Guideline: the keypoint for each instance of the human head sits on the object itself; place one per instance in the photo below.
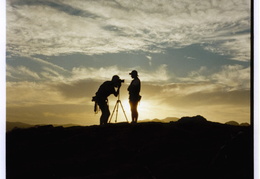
(134, 74)
(116, 80)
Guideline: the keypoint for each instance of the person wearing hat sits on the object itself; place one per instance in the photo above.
(134, 96)
(101, 98)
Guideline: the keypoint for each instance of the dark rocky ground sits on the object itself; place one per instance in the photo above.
(190, 148)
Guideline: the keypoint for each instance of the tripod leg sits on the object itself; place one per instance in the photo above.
(116, 110)
(123, 110)
(112, 113)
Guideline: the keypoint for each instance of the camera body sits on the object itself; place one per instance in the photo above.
(94, 98)
(119, 82)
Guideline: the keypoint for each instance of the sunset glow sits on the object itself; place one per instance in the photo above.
(193, 58)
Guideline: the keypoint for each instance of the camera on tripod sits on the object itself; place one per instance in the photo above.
(118, 102)
(119, 82)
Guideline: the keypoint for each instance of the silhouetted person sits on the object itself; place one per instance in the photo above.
(106, 89)
(134, 97)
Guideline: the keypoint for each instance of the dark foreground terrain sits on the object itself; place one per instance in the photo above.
(177, 150)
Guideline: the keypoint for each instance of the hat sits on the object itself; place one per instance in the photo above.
(115, 78)
(134, 72)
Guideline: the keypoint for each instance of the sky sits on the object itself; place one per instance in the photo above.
(192, 57)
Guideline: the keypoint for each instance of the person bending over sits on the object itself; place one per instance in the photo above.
(101, 98)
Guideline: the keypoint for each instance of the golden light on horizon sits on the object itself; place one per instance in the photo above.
(147, 109)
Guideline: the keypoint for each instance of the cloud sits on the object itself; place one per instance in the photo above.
(233, 77)
(50, 72)
(190, 58)
(205, 95)
(79, 86)
(28, 72)
(230, 77)
(181, 89)
(211, 100)
(149, 59)
(21, 72)
(236, 46)
(68, 100)
(158, 75)
(216, 105)
(208, 99)
(96, 27)
(58, 6)
(52, 75)
(196, 76)
(27, 93)
(84, 82)
(105, 73)
(80, 89)
(48, 64)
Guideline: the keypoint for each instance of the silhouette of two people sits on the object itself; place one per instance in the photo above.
(113, 87)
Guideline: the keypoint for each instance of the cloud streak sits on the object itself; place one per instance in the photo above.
(21, 72)
(231, 77)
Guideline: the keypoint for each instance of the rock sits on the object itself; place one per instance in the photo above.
(194, 119)
(233, 123)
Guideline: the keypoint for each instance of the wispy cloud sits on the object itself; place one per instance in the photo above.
(52, 75)
(95, 27)
(49, 72)
(159, 75)
(21, 72)
(149, 59)
(196, 76)
(234, 77)
(106, 73)
(48, 64)
(230, 77)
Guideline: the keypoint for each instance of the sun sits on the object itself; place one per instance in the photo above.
(147, 109)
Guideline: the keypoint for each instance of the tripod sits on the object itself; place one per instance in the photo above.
(118, 102)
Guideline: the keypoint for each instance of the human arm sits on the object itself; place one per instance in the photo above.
(116, 93)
